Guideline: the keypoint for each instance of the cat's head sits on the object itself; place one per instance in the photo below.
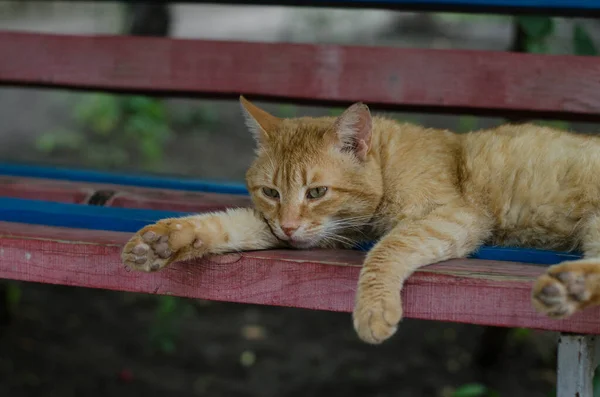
(313, 179)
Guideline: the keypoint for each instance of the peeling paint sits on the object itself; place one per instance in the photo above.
(27, 256)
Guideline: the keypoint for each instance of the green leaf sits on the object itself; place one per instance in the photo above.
(100, 112)
(334, 112)
(166, 305)
(146, 106)
(557, 124)
(59, 139)
(470, 390)
(13, 297)
(537, 27)
(467, 123)
(582, 42)
(596, 384)
(287, 110)
(536, 46)
(46, 143)
(167, 345)
(521, 333)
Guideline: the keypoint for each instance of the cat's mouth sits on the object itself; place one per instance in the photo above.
(298, 243)
(294, 242)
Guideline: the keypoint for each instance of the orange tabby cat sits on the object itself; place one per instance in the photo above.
(426, 195)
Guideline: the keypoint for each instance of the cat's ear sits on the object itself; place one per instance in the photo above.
(260, 123)
(353, 130)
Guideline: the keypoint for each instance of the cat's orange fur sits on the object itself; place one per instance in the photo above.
(427, 195)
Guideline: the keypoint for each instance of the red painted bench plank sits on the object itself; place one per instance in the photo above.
(124, 197)
(480, 82)
(470, 291)
(174, 200)
(45, 189)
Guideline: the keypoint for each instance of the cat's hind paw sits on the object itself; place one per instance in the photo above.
(566, 288)
(376, 318)
(155, 246)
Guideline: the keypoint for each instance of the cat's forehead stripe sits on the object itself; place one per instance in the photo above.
(276, 176)
(304, 177)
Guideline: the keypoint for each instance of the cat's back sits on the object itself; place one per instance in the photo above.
(532, 179)
(532, 154)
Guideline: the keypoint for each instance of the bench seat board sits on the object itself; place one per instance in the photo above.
(66, 203)
(468, 290)
(118, 196)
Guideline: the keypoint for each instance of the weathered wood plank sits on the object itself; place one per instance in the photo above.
(470, 291)
(121, 196)
(176, 201)
(479, 82)
(45, 189)
(578, 357)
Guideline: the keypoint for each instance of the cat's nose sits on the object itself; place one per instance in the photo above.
(289, 229)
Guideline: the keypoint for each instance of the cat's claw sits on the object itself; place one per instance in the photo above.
(376, 318)
(155, 246)
(562, 290)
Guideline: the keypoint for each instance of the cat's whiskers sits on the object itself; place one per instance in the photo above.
(356, 224)
(345, 241)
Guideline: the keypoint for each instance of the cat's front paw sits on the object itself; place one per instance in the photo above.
(155, 246)
(566, 288)
(377, 314)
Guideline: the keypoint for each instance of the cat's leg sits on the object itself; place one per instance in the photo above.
(451, 231)
(571, 286)
(178, 239)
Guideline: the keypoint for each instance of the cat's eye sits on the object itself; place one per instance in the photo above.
(316, 192)
(271, 193)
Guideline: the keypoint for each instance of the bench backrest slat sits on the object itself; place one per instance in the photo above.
(476, 82)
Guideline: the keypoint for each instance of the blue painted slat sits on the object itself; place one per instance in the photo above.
(428, 5)
(49, 213)
(584, 8)
(542, 4)
(131, 220)
(121, 179)
(525, 255)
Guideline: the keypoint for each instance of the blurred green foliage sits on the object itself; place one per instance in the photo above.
(582, 42)
(13, 295)
(520, 334)
(170, 311)
(111, 131)
(539, 29)
(474, 390)
(287, 110)
(467, 123)
(597, 382)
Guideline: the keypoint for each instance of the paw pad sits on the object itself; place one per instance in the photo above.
(562, 290)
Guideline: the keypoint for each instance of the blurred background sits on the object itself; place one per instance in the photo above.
(59, 341)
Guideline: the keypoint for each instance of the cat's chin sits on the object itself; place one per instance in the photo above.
(302, 245)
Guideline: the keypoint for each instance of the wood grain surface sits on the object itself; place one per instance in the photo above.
(468, 291)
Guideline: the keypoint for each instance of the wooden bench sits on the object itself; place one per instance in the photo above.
(68, 226)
